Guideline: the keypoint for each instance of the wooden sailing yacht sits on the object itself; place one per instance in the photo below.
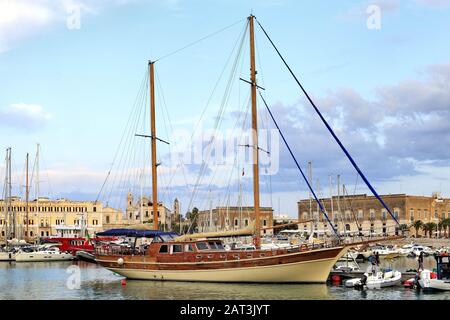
(195, 258)
(203, 257)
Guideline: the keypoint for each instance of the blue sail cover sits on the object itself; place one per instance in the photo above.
(134, 233)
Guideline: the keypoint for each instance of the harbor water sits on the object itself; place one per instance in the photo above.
(82, 280)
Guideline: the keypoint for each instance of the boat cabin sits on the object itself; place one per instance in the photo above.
(443, 266)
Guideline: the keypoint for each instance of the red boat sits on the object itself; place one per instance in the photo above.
(75, 244)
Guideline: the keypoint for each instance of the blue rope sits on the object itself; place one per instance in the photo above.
(331, 130)
(298, 166)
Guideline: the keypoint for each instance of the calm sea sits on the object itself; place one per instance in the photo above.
(81, 280)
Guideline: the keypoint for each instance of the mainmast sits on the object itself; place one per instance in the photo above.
(26, 200)
(153, 139)
(254, 135)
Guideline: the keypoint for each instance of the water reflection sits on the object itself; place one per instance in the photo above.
(48, 281)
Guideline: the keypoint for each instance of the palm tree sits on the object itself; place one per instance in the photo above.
(429, 227)
(417, 225)
(440, 226)
(445, 225)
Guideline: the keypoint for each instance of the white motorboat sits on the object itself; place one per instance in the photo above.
(376, 280)
(441, 279)
(50, 254)
(7, 256)
(416, 250)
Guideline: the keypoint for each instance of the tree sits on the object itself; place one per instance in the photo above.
(192, 218)
(429, 228)
(417, 225)
(446, 225)
(440, 226)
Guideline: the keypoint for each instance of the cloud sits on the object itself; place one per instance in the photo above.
(434, 3)
(30, 117)
(22, 19)
(404, 127)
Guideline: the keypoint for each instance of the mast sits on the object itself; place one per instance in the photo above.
(153, 139)
(338, 182)
(26, 200)
(37, 179)
(310, 199)
(331, 194)
(254, 134)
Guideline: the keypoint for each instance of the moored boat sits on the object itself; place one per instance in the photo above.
(439, 281)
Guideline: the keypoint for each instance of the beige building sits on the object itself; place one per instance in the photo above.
(233, 218)
(59, 217)
(141, 211)
(364, 213)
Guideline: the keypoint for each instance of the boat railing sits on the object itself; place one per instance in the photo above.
(118, 251)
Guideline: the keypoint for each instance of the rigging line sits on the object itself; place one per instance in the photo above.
(219, 118)
(172, 131)
(298, 166)
(199, 40)
(241, 37)
(121, 139)
(330, 129)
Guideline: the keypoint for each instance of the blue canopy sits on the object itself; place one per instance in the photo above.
(134, 233)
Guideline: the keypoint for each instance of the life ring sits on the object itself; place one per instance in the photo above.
(303, 247)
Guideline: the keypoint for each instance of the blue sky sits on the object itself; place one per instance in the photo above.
(72, 90)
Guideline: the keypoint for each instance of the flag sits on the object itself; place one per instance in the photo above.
(243, 173)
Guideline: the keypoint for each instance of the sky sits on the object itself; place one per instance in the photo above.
(73, 79)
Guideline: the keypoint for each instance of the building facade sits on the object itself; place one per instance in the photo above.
(59, 217)
(141, 211)
(233, 218)
(363, 213)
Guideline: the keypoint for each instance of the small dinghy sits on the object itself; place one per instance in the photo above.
(439, 280)
(381, 279)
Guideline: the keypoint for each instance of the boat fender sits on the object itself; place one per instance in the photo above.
(123, 282)
(120, 261)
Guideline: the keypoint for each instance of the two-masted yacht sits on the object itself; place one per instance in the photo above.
(203, 257)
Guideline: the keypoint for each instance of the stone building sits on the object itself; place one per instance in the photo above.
(59, 217)
(141, 211)
(233, 218)
(364, 213)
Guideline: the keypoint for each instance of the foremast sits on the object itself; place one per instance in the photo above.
(254, 134)
(153, 145)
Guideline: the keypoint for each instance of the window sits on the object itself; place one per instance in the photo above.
(202, 246)
(146, 214)
(396, 214)
(95, 209)
(411, 214)
(347, 227)
(383, 214)
(264, 222)
(176, 248)
(246, 222)
(219, 245)
(436, 214)
(419, 214)
(188, 248)
(212, 245)
(107, 219)
(360, 215)
(236, 222)
(31, 233)
(163, 248)
(372, 214)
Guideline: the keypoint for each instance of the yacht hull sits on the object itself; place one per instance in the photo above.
(7, 256)
(37, 257)
(303, 270)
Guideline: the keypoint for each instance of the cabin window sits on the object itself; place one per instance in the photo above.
(188, 248)
(212, 245)
(219, 245)
(202, 246)
(176, 248)
(163, 249)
